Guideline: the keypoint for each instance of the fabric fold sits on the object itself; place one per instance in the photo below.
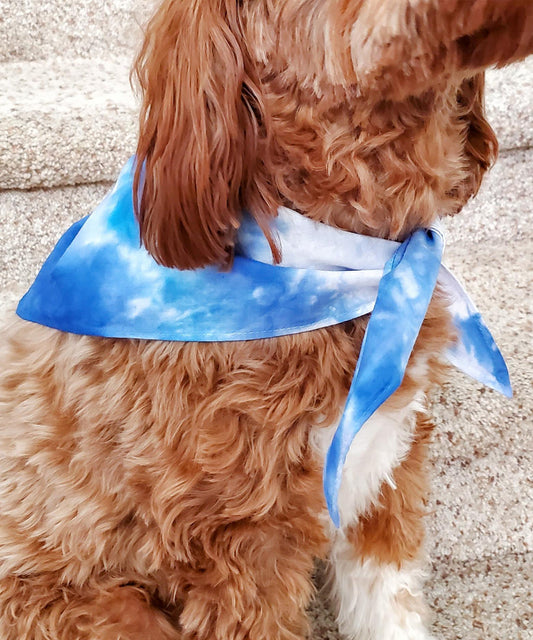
(100, 281)
(404, 294)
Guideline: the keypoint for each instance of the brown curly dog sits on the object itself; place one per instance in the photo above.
(154, 490)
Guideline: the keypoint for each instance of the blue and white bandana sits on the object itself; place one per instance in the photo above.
(100, 281)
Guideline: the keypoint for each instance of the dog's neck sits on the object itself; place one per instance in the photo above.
(382, 171)
(338, 216)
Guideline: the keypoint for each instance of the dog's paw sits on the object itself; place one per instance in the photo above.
(407, 626)
(407, 619)
(378, 601)
(412, 630)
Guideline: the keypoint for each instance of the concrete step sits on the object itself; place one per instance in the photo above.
(484, 442)
(484, 599)
(31, 222)
(66, 121)
(33, 30)
(482, 456)
(509, 94)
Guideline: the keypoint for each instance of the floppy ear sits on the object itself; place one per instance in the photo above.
(404, 47)
(481, 144)
(202, 133)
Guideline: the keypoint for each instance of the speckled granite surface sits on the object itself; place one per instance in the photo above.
(486, 599)
(65, 121)
(509, 94)
(33, 29)
(484, 444)
(67, 117)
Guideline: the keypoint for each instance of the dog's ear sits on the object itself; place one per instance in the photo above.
(403, 47)
(202, 131)
(481, 144)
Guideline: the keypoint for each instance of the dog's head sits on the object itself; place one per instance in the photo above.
(363, 113)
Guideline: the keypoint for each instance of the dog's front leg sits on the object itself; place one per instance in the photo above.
(258, 588)
(375, 572)
(43, 607)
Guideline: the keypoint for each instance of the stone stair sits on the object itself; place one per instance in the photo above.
(68, 122)
(37, 30)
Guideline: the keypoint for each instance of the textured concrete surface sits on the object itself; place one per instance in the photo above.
(65, 121)
(33, 29)
(509, 94)
(32, 221)
(483, 457)
(485, 599)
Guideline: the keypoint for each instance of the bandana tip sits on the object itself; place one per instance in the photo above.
(504, 388)
(333, 511)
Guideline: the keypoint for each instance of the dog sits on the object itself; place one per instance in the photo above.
(173, 490)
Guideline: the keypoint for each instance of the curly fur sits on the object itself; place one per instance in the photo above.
(167, 490)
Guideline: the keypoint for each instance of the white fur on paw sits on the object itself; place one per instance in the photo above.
(376, 601)
(417, 632)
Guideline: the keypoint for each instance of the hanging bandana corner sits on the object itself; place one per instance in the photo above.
(100, 281)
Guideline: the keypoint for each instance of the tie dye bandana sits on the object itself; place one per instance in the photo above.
(100, 281)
